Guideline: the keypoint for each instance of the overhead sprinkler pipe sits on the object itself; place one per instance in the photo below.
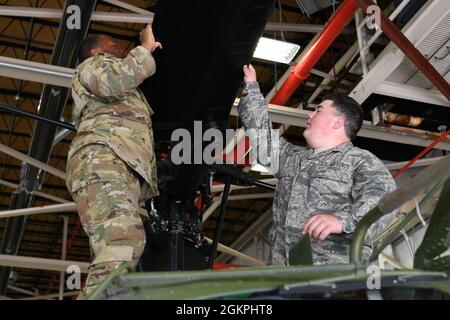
(402, 42)
(302, 70)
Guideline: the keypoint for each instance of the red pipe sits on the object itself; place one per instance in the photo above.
(396, 36)
(301, 71)
(420, 155)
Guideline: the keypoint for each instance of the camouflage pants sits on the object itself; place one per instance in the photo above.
(108, 207)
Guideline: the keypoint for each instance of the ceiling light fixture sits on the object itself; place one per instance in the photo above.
(275, 50)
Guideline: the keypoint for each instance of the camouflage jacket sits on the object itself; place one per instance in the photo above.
(344, 181)
(109, 109)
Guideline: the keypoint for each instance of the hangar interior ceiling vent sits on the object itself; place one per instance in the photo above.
(29, 31)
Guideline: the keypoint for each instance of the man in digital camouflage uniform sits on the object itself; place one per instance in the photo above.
(111, 167)
(323, 190)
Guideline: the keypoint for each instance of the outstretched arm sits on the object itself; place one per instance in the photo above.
(114, 78)
(254, 115)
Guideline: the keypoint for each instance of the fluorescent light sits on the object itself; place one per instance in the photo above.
(275, 50)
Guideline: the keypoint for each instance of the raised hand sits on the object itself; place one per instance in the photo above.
(148, 39)
(249, 73)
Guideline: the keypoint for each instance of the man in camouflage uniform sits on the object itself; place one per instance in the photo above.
(111, 168)
(323, 190)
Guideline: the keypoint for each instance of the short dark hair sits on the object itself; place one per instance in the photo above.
(351, 110)
(87, 45)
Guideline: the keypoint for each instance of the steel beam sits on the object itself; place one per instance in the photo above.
(52, 103)
(227, 250)
(413, 54)
(294, 27)
(128, 6)
(298, 118)
(17, 111)
(36, 72)
(55, 208)
(299, 27)
(40, 263)
(23, 291)
(140, 16)
(243, 239)
(122, 17)
(428, 17)
(404, 91)
(377, 34)
(37, 193)
(47, 13)
(34, 162)
(44, 13)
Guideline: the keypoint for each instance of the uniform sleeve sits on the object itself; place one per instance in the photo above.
(370, 182)
(268, 148)
(114, 78)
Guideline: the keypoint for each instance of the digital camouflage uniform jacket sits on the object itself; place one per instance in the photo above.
(109, 109)
(344, 181)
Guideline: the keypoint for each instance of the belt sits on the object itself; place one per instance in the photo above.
(87, 123)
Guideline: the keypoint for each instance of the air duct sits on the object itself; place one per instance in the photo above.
(310, 7)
